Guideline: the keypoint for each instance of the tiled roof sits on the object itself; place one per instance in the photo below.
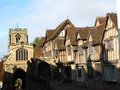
(60, 44)
(49, 33)
(113, 17)
(60, 27)
(38, 51)
(42, 41)
(97, 34)
(64, 23)
(100, 27)
(72, 32)
(84, 31)
(100, 20)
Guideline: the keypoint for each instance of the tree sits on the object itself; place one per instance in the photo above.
(36, 40)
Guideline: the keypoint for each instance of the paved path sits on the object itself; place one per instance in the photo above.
(59, 85)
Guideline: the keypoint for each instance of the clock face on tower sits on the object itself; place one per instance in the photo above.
(18, 36)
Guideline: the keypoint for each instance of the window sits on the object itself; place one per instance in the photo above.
(69, 50)
(110, 44)
(81, 51)
(18, 36)
(90, 48)
(110, 73)
(21, 54)
(56, 52)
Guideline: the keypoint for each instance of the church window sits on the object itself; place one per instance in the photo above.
(21, 54)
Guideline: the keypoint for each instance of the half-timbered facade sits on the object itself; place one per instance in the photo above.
(111, 49)
(81, 53)
(71, 44)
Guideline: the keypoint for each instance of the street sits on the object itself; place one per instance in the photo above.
(59, 85)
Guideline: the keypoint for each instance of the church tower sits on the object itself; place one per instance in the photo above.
(17, 36)
(19, 50)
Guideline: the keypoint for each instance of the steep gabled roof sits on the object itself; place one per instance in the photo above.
(71, 33)
(84, 31)
(42, 41)
(60, 44)
(49, 33)
(113, 17)
(60, 27)
(64, 23)
(97, 34)
(101, 20)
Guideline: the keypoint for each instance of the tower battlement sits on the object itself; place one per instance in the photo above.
(17, 35)
(14, 29)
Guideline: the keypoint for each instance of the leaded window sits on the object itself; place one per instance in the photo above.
(110, 73)
(110, 44)
(81, 51)
(69, 50)
(21, 54)
(90, 48)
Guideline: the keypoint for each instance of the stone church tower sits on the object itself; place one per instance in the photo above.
(19, 50)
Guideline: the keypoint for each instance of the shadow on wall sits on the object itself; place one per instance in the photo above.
(19, 74)
(107, 77)
(38, 73)
(9, 79)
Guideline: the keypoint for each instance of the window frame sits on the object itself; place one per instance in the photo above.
(90, 48)
(21, 54)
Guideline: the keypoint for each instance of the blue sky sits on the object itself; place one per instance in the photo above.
(39, 15)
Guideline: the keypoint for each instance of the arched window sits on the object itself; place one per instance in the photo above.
(21, 54)
(18, 36)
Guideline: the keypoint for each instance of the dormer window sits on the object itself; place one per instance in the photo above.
(18, 36)
(90, 48)
(81, 51)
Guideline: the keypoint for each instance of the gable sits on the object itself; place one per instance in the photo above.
(78, 36)
(67, 43)
(60, 27)
(90, 38)
(110, 26)
(97, 23)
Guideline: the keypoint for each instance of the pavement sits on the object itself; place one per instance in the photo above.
(59, 85)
